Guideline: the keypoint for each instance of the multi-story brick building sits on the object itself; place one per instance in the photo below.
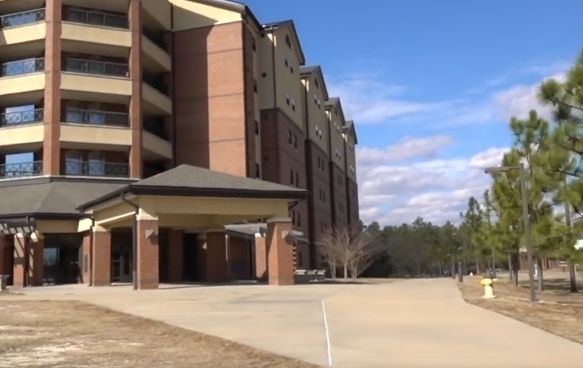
(102, 104)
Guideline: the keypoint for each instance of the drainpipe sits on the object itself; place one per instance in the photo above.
(91, 229)
(134, 238)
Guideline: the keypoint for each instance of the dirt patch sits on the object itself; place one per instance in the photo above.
(559, 311)
(74, 334)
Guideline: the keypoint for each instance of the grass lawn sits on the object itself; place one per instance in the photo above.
(73, 334)
(559, 312)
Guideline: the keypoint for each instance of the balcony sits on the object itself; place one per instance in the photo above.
(27, 169)
(24, 27)
(21, 118)
(155, 102)
(156, 58)
(21, 80)
(95, 18)
(98, 81)
(22, 18)
(86, 66)
(94, 117)
(20, 67)
(96, 168)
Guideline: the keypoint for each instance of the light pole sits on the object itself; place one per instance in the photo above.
(525, 216)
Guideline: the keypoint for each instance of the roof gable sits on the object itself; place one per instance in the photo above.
(316, 73)
(289, 25)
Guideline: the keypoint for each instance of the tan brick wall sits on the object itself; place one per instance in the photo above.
(216, 257)
(260, 259)
(101, 263)
(52, 94)
(210, 106)
(20, 251)
(36, 262)
(239, 258)
(279, 254)
(136, 114)
(175, 256)
(147, 254)
(340, 204)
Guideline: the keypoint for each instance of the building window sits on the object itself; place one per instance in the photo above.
(254, 46)
(257, 170)
(255, 86)
(299, 219)
(295, 141)
(291, 176)
(287, 100)
(297, 180)
(317, 84)
(73, 163)
(289, 136)
(96, 164)
(288, 41)
(256, 127)
(286, 63)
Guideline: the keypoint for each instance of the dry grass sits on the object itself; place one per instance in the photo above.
(559, 312)
(73, 334)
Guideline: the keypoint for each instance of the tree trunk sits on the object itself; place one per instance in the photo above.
(345, 272)
(477, 261)
(541, 282)
(573, 276)
(452, 269)
(333, 271)
(460, 272)
(510, 268)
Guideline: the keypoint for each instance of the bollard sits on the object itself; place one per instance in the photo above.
(488, 285)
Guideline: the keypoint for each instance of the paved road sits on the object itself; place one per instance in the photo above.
(405, 324)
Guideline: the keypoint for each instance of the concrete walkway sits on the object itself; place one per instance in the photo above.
(412, 323)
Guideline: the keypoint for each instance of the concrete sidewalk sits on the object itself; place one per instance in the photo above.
(409, 323)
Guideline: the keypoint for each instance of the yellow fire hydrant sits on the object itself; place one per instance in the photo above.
(488, 285)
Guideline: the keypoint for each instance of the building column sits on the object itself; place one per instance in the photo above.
(52, 94)
(216, 257)
(280, 263)
(260, 258)
(136, 115)
(148, 272)
(3, 256)
(20, 258)
(101, 259)
(175, 256)
(36, 261)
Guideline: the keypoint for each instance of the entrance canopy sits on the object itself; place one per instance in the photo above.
(192, 198)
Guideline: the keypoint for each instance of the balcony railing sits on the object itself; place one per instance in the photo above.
(21, 170)
(22, 18)
(95, 117)
(96, 168)
(96, 67)
(25, 66)
(21, 117)
(96, 17)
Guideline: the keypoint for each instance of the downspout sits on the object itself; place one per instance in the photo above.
(91, 229)
(134, 238)
(311, 204)
(274, 84)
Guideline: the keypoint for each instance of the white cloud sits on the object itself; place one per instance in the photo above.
(369, 99)
(407, 148)
(435, 189)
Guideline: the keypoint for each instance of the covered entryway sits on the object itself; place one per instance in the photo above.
(178, 220)
(62, 259)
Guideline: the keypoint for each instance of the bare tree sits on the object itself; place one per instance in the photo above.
(352, 249)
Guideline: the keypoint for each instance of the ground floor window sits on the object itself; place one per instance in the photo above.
(62, 259)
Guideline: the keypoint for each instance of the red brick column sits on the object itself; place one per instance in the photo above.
(260, 258)
(3, 256)
(280, 263)
(20, 254)
(36, 262)
(148, 269)
(136, 114)
(216, 257)
(52, 96)
(101, 262)
(175, 256)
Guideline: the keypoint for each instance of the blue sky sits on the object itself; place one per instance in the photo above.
(431, 86)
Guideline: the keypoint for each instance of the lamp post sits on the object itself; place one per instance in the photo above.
(525, 216)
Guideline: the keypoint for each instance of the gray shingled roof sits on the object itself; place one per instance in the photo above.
(50, 198)
(186, 180)
(186, 176)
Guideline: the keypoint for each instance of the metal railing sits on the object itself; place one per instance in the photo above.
(34, 168)
(25, 66)
(95, 117)
(96, 17)
(21, 117)
(96, 168)
(86, 66)
(22, 18)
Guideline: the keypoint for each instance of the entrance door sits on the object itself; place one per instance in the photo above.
(121, 256)
(62, 259)
(189, 256)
